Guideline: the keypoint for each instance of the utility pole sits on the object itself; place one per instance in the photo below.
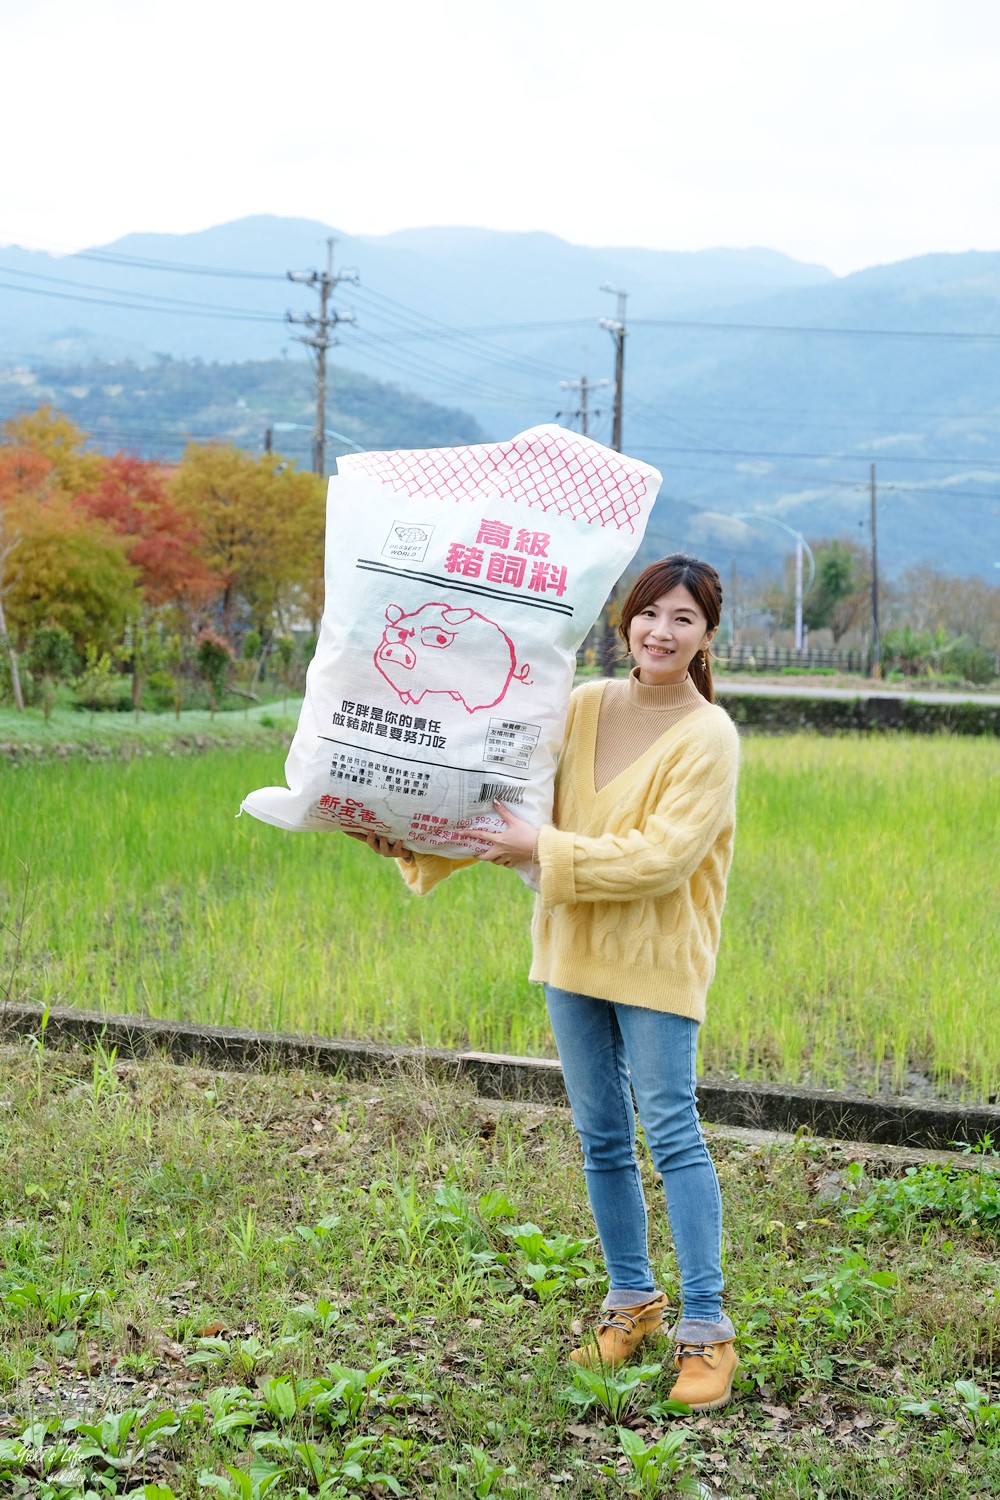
(616, 328)
(732, 609)
(319, 338)
(876, 636)
(798, 593)
(268, 439)
(582, 414)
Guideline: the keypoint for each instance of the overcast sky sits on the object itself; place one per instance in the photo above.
(848, 133)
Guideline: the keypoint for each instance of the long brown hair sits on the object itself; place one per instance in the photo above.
(705, 587)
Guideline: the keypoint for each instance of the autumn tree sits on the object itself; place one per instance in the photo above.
(261, 525)
(69, 571)
(47, 434)
(162, 541)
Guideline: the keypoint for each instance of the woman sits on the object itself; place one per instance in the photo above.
(632, 873)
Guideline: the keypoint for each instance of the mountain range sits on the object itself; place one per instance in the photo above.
(756, 383)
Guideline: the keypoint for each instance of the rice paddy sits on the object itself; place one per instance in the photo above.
(860, 941)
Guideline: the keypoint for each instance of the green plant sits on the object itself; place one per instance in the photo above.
(52, 657)
(662, 1467)
(242, 1234)
(345, 1400)
(161, 690)
(614, 1391)
(974, 1412)
(246, 1356)
(846, 1300)
(100, 686)
(239, 1484)
(214, 658)
(330, 1475)
(119, 1439)
(955, 1195)
(481, 1472)
(55, 1308)
(550, 1265)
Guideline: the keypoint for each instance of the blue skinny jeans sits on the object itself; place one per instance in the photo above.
(607, 1050)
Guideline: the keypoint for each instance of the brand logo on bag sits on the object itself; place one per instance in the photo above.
(408, 542)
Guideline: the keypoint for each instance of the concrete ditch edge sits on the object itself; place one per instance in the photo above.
(785, 1108)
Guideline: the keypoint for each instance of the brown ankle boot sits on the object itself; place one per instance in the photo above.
(705, 1380)
(620, 1332)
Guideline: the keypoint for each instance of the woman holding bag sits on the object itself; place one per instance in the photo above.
(631, 876)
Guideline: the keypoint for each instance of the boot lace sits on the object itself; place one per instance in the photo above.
(620, 1319)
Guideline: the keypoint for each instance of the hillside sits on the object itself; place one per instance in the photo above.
(754, 382)
(155, 410)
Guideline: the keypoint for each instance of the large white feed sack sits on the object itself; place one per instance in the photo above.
(460, 583)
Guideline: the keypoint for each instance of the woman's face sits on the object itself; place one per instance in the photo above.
(665, 636)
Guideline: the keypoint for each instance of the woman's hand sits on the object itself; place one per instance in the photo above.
(379, 844)
(515, 845)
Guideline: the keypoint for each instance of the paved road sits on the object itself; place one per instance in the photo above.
(772, 690)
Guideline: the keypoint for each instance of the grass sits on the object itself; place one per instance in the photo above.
(860, 941)
(70, 731)
(224, 1282)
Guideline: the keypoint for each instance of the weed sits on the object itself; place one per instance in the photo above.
(548, 1266)
(973, 1411)
(662, 1467)
(953, 1195)
(612, 1390)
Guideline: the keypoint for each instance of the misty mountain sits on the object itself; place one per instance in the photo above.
(754, 382)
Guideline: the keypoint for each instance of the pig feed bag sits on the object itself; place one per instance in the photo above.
(460, 583)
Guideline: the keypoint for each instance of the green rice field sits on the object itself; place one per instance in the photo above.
(860, 941)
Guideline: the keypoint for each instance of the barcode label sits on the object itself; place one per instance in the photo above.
(501, 791)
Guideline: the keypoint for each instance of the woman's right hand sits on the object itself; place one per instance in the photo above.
(379, 844)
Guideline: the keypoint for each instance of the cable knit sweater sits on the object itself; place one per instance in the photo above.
(633, 877)
(633, 874)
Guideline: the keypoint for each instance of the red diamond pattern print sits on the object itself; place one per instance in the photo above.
(547, 469)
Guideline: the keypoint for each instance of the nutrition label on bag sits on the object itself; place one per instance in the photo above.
(510, 743)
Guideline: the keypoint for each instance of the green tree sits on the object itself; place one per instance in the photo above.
(841, 590)
(214, 657)
(50, 655)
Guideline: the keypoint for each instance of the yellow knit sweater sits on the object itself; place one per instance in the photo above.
(633, 877)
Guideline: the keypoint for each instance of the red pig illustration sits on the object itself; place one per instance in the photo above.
(438, 649)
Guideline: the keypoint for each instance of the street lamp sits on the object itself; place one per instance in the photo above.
(330, 432)
(801, 546)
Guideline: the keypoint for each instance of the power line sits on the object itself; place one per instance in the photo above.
(37, 291)
(868, 333)
(972, 463)
(250, 312)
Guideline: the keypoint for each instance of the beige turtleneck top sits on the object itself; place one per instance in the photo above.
(633, 716)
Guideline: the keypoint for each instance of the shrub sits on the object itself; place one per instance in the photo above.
(100, 687)
(214, 657)
(161, 691)
(968, 660)
(51, 656)
(773, 715)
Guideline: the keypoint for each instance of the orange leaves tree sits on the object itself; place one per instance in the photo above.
(261, 527)
(60, 568)
(162, 542)
(131, 558)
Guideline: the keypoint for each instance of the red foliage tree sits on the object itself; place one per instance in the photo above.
(162, 541)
